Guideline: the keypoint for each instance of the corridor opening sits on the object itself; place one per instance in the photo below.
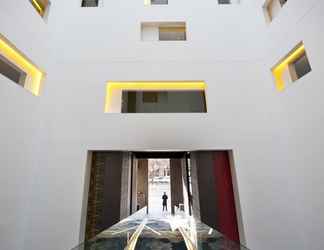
(199, 184)
(158, 186)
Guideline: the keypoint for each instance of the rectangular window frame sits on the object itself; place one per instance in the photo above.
(114, 91)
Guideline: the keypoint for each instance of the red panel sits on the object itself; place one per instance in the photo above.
(226, 213)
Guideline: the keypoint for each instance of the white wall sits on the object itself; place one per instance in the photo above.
(276, 137)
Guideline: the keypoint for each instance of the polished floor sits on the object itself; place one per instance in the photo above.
(146, 232)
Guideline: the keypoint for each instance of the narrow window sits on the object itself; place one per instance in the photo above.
(18, 68)
(41, 6)
(90, 3)
(292, 67)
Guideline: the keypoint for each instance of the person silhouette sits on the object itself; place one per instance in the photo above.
(164, 203)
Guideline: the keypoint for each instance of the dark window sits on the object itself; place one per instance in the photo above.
(184, 101)
(159, 2)
(12, 72)
(224, 1)
(90, 3)
(301, 66)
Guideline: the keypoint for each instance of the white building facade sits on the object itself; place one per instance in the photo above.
(276, 137)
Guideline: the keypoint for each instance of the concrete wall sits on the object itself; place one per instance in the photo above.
(112, 189)
(125, 186)
(142, 183)
(276, 137)
(176, 183)
(207, 188)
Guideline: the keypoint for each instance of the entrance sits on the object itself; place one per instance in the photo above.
(158, 185)
(198, 183)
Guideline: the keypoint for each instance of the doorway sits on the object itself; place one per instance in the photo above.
(158, 185)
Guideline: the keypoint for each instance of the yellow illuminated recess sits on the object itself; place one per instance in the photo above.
(145, 85)
(147, 2)
(40, 6)
(34, 75)
(37, 6)
(283, 66)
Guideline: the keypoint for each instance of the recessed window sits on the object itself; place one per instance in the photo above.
(172, 101)
(164, 31)
(90, 3)
(300, 67)
(271, 8)
(292, 67)
(18, 68)
(156, 2)
(11, 71)
(156, 97)
(228, 1)
(41, 6)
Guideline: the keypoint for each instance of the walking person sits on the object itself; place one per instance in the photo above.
(165, 202)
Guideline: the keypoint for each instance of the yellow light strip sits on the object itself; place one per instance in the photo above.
(283, 65)
(37, 6)
(161, 85)
(13, 55)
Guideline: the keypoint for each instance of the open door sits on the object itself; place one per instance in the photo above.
(213, 193)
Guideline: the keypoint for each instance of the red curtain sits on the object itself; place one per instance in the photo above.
(226, 213)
